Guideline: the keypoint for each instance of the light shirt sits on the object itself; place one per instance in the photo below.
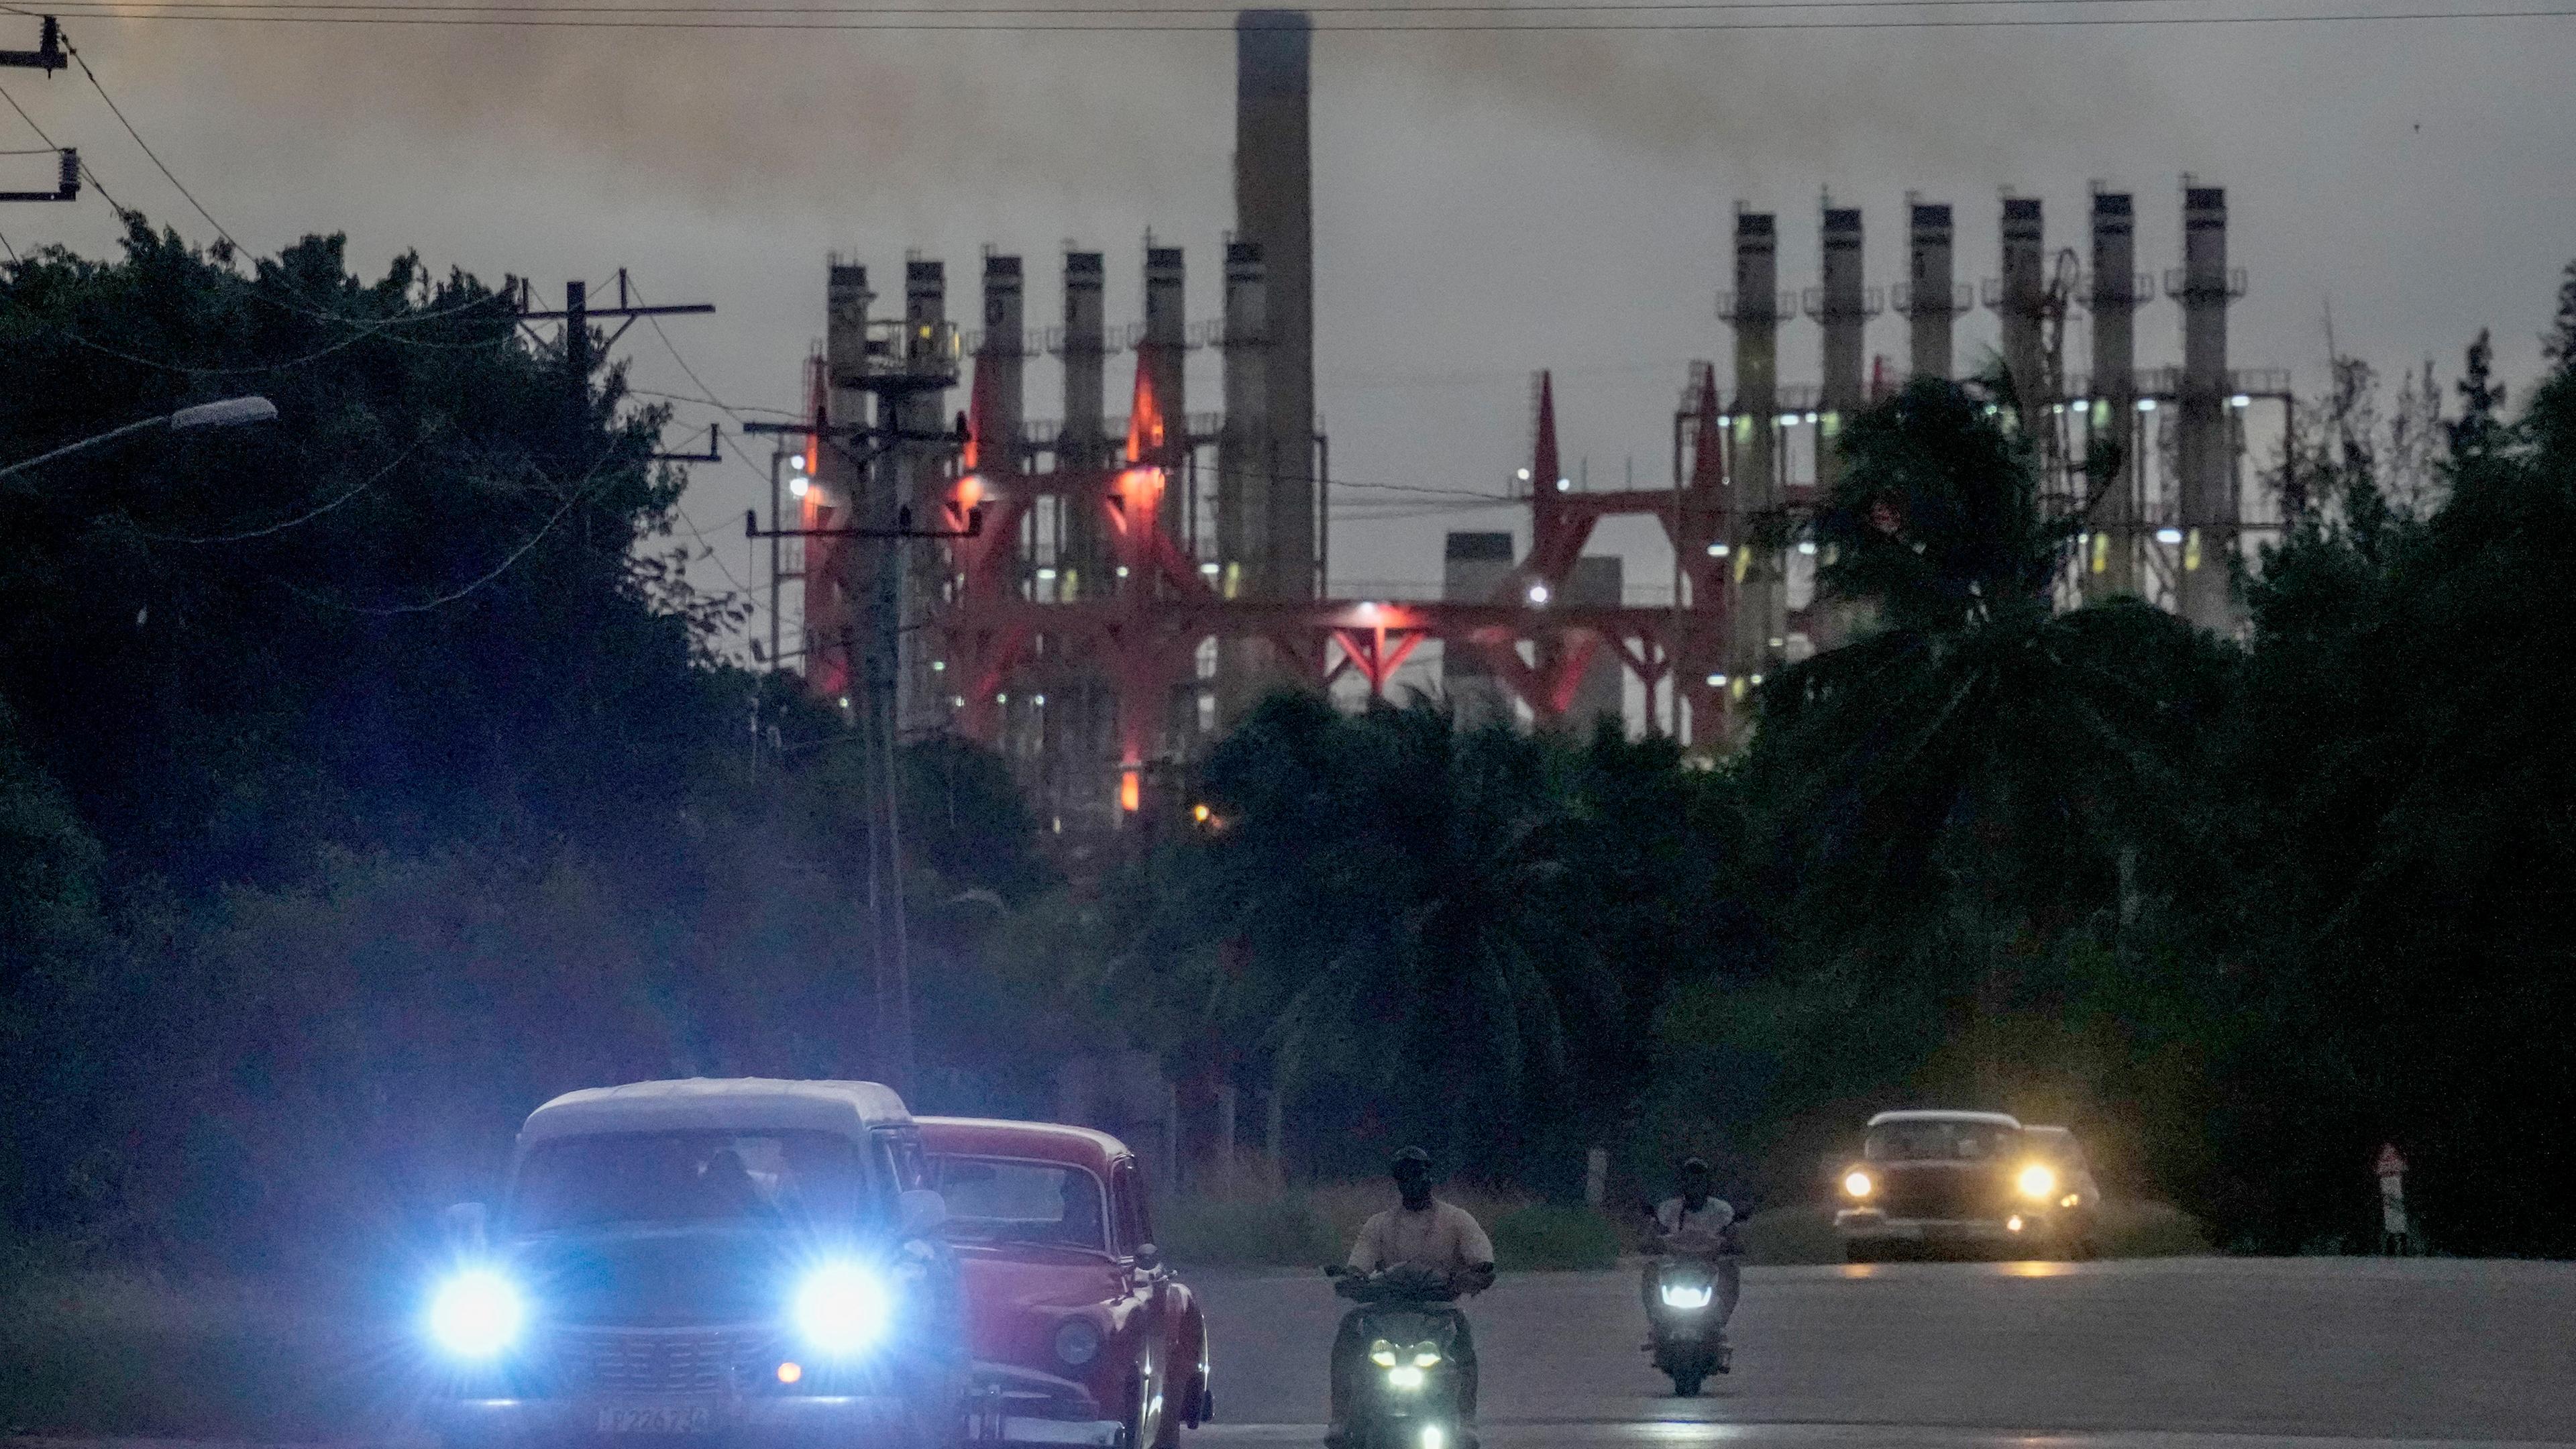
(1442, 1237)
(1712, 1217)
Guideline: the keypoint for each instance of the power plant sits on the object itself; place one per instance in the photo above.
(1098, 596)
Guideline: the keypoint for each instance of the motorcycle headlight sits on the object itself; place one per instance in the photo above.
(1382, 1353)
(1688, 1295)
(1077, 1342)
(1858, 1184)
(843, 1308)
(2038, 1181)
(476, 1314)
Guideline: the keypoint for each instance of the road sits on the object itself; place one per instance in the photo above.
(2155, 1354)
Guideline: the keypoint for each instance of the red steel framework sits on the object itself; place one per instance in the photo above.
(1143, 635)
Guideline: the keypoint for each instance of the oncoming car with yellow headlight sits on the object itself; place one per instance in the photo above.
(751, 1261)
(1934, 1181)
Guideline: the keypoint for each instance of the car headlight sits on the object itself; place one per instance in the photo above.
(842, 1308)
(2038, 1181)
(1688, 1295)
(1858, 1183)
(1077, 1342)
(1425, 1354)
(476, 1314)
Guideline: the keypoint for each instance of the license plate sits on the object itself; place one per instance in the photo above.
(658, 1419)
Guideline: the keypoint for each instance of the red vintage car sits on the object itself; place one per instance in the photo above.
(1081, 1335)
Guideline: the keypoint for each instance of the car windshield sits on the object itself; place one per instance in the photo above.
(648, 1178)
(1937, 1141)
(1001, 1200)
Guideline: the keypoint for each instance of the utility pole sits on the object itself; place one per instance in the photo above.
(48, 57)
(577, 315)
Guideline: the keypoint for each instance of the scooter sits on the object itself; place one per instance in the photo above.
(1406, 1392)
(1686, 1331)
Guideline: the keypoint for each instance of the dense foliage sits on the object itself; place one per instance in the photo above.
(368, 776)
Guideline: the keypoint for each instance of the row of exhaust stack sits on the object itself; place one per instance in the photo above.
(2029, 296)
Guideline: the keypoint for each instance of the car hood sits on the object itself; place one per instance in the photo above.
(1035, 1282)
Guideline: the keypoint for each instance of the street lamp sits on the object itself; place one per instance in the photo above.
(232, 412)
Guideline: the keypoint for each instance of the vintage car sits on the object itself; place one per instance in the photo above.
(1081, 1334)
(752, 1262)
(1947, 1181)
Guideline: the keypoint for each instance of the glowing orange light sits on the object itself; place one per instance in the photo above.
(790, 1372)
(1131, 790)
(1200, 813)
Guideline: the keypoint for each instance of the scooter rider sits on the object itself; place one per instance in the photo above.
(1698, 1222)
(1422, 1232)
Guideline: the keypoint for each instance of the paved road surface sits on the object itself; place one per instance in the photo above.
(2163, 1354)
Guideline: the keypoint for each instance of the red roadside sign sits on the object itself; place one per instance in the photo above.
(2390, 1164)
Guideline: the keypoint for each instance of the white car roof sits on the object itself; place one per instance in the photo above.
(716, 1104)
(1983, 1119)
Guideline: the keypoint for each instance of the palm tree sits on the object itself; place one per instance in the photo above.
(1404, 913)
(1975, 773)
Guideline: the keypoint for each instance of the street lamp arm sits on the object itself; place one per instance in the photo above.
(229, 413)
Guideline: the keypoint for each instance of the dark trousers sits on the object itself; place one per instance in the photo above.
(1350, 1361)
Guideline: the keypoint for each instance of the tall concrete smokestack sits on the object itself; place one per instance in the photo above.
(837, 578)
(2019, 300)
(1165, 352)
(2111, 464)
(921, 413)
(2208, 471)
(1083, 443)
(1843, 307)
(1000, 397)
(1931, 301)
(1082, 344)
(1274, 210)
(1761, 608)
(1243, 465)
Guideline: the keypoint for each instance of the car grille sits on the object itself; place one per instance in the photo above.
(652, 1360)
(1938, 1193)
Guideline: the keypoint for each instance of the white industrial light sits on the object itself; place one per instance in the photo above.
(1538, 593)
(1564, 485)
(797, 485)
(1717, 681)
(2146, 404)
(2168, 535)
(1807, 546)
(2241, 400)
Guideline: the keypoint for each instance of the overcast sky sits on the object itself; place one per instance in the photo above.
(1485, 205)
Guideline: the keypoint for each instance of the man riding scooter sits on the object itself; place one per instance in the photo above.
(1410, 1265)
(1692, 1280)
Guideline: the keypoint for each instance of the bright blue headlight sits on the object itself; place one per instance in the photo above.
(476, 1313)
(843, 1308)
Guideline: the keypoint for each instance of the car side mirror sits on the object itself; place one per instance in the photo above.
(1148, 1257)
(920, 1212)
(467, 1225)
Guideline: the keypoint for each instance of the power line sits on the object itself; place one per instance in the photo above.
(1460, 27)
(1039, 12)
